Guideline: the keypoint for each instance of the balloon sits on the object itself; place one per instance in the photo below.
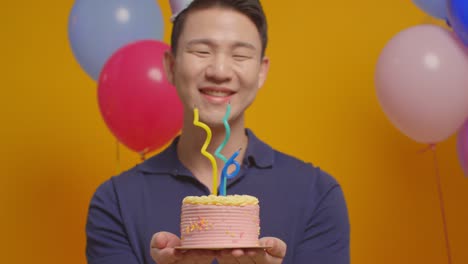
(462, 147)
(458, 18)
(136, 101)
(96, 29)
(435, 8)
(422, 83)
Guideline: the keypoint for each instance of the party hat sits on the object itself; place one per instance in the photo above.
(177, 6)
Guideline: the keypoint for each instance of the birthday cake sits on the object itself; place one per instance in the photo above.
(212, 221)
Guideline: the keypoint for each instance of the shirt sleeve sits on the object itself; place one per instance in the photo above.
(326, 234)
(106, 238)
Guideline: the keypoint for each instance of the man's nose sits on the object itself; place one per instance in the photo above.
(219, 69)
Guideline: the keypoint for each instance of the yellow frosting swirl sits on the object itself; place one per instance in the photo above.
(233, 200)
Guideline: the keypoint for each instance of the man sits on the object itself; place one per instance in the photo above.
(217, 58)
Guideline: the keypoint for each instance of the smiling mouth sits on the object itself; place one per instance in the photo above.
(216, 93)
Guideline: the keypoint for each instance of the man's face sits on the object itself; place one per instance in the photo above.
(218, 62)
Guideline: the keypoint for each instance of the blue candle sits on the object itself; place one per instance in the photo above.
(224, 173)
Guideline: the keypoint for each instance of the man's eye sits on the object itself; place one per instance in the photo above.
(240, 57)
(202, 52)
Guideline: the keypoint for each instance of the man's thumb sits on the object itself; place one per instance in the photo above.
(277, 246)
(162, 240)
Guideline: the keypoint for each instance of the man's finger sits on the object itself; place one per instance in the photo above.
(245, 260)
(226, 257)
(162, 247)
(162, 240)
(255, 253)
(277, 248)
(197, 257)
(237, 253)
(164, 256)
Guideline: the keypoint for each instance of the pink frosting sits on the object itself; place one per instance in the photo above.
(219, 226)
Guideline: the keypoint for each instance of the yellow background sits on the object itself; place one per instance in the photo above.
(319, 103)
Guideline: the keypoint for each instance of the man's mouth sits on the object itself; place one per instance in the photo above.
(216, 92)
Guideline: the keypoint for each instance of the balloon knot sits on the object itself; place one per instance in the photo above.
(430, 146)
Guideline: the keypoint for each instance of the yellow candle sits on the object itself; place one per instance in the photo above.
(204, 152)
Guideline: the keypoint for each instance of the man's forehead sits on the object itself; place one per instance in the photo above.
(224, 22)
(216, 11)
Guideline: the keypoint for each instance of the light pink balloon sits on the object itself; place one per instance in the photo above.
(462, 147)
(422, 83)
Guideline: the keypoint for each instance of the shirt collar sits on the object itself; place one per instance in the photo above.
(258, 154)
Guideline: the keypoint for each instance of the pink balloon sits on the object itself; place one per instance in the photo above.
(422, 83)
(137, 102)
(462, 147)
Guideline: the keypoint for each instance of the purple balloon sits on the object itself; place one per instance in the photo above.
(435, 8)
(462, 147)
(97, 29)
(458, 18)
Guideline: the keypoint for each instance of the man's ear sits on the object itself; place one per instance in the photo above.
(169, 66)
(264, 67)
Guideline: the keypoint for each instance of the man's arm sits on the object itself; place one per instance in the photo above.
(326, 236)
(106, 239)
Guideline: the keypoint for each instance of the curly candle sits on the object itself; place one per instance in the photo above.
(203, 151)
(225, 175)
(226, 137)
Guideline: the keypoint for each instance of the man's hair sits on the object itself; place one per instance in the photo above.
(250, 8)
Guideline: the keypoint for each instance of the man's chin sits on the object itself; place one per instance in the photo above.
(214, 124)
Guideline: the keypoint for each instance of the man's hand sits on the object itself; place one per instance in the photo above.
(272, 255)
(163, 251)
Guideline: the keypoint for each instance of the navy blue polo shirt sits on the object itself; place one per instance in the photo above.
(299, 203)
